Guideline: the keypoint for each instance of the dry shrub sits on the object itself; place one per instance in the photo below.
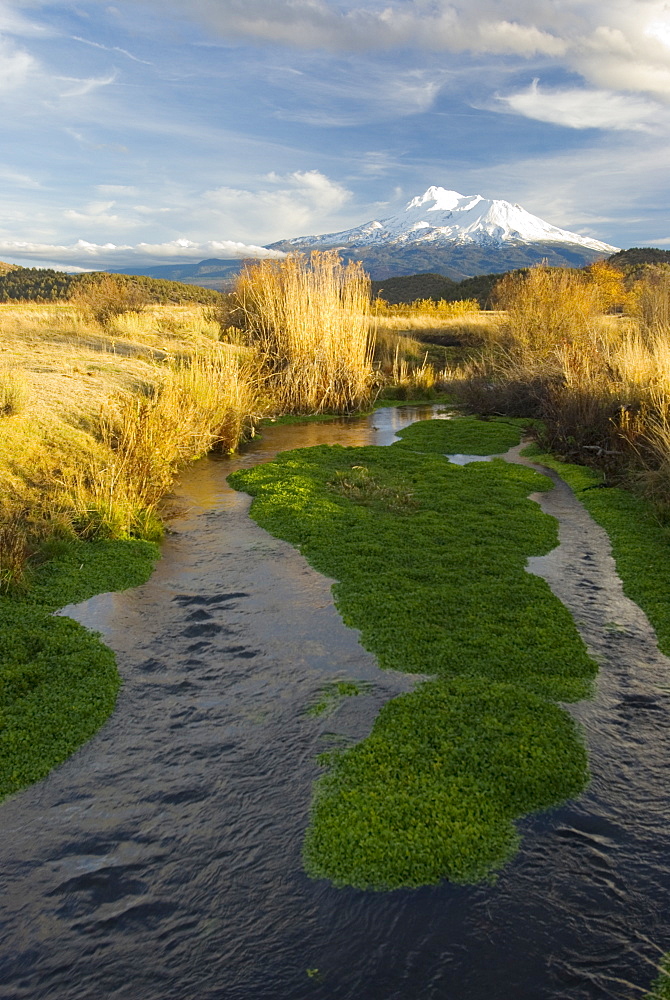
(610, 287)
(440, 309)
(413, 380)
(601, 384)
(206, 402)
(309, 319)
(105, 298)
(14, 392)
(547, 306)
(652, 301)
(14, 544)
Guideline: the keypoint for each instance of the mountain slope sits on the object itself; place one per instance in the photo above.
(459, 235)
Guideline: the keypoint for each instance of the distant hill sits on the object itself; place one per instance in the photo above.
(6, 268)
(436, 286)
(412, 287)
(639, 255)
(34, 284)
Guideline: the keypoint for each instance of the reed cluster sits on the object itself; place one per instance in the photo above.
(600, 381)
(309, 320)
(199, 404)
(95, 429)
(436, 308)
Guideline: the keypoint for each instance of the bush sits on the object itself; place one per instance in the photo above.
(309, 319)
(13, 392)
(108, 297)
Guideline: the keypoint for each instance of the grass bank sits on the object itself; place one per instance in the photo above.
(58, 682)
(640, 541)
(103, 399)
(95, 423)
(429, 561)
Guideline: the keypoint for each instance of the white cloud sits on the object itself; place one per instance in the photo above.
(355, 94)
(16, 67)
(117, 189)
(292, 203)
(581, 108)
(97, 213)
(18, 179)
(613, 44)
(458, 26)
(111, 48)
(84, 254)
(79, 87)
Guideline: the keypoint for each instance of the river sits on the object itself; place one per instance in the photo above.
(162, 860)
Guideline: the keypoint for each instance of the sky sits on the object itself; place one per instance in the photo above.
(157, 131)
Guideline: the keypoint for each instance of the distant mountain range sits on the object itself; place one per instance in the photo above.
(439, 231)
(212, 273)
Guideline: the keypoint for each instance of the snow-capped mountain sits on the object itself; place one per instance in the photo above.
(441, 218)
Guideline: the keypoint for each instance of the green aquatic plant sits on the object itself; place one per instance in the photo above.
(441, 590)
(332, 694)
(58, 681)
(660, 988)
(464, 435)
(433, 791)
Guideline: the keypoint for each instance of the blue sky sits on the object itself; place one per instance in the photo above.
(150, 132)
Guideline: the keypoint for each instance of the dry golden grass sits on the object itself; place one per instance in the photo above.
(600, 382)
(108, 419)
(309, 320)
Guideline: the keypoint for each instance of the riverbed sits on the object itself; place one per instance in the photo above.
(163, 859)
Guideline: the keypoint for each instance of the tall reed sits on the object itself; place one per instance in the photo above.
(601, 384)
(309, 319)
(109, 480)
(202, 403)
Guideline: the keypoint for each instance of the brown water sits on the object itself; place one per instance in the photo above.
(163, 859)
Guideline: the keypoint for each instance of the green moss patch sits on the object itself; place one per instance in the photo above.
(332, 694)
(640, 544)
(429, 559)
(660, 988)
(464, 435)
(433, 791)
(58, 682)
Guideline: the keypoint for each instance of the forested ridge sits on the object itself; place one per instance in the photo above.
(36, 284)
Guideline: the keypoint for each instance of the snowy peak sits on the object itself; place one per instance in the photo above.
(443, 218)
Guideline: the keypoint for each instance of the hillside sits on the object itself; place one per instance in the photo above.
(211, 273)
(436, 286)
(32, 284)
(639, 255)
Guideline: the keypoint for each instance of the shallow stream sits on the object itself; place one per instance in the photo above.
(163, 859)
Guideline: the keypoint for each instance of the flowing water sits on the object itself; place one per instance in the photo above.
(163, 859)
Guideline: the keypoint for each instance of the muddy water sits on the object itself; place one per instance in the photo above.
(163, 859)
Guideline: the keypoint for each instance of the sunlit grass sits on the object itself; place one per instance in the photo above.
(58, 682)
(105, 423)
(464, 435)
(308, 319)
(600, 382)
